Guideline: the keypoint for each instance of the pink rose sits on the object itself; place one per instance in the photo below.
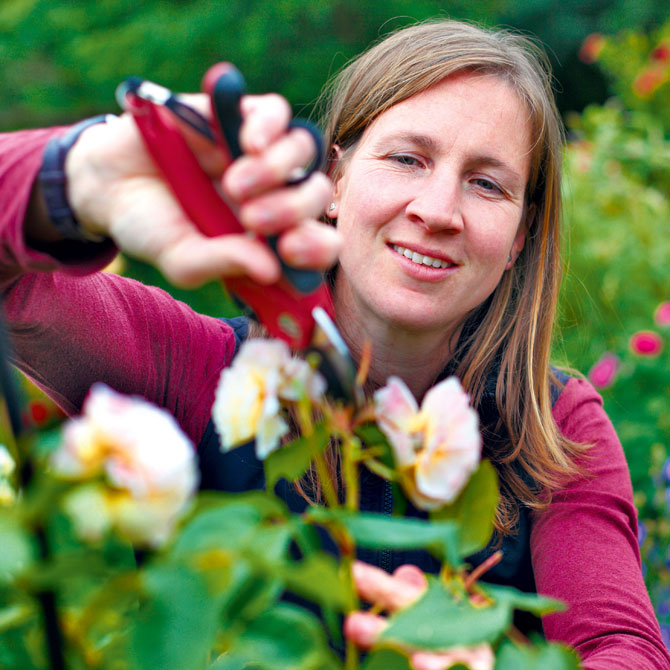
(646, 343)
(603, 373)
(436, 447)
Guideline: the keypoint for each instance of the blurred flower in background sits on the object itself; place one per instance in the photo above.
(140, 465)
(603, 373)
(646, 343)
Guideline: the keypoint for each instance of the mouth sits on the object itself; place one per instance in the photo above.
(422, 259)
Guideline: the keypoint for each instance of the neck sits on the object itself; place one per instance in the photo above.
(417, 356)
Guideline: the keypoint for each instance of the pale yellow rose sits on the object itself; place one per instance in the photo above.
(248, 401)
(147, 462)
(436, 447)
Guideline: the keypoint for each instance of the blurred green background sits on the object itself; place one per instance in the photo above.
(61, 61)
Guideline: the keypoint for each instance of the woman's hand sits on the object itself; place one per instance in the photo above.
(116, 190)
(394, 592)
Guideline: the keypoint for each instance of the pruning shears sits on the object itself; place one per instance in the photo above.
(298, 308)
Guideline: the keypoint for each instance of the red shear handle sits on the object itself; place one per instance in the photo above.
(286, 313)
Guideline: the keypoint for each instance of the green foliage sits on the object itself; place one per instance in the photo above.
(421, 625)
(474, 509)
(545, 657)
(617, 210)
(379, 531)
(293, 461)
(638, 66)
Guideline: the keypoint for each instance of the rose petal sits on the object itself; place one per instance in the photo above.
(395, 408)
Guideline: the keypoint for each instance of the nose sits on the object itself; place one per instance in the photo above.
(436, 204)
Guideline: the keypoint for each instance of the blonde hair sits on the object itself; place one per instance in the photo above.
(511, 331)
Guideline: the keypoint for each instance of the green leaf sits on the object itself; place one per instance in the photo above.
(15, 615)
(543, 657)
(231, 525)
(372, 436)
(386, 659)
(528, 602)
(474, 510)
(285, 637)
(292, 461)
(18, 550)
(318, 578)
(379, 531)
(438, 621)
(246, 593)
(176, 623)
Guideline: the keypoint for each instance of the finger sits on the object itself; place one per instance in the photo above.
(312, 245)
(376, 586)
(412, 575)
(265, 118)
(364, 629)
(271, 213)
(254, 174)
(195, 259)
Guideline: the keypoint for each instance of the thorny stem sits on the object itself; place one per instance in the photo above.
(350, 473)
(517, 636)
(484, 567)
(329, 492)
(307, 429)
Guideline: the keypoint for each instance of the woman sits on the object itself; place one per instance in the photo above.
(445, 170)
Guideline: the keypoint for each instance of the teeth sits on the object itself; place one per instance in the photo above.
(420, 258)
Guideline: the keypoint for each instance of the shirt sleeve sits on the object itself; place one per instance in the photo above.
(585, 552)
(71, 326)
(20, 162)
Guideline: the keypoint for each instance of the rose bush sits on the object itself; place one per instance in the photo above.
(109, 562)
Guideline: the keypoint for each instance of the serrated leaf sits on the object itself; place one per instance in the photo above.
(292, 461)
(474, 510)
(380, 531)
(439, 621)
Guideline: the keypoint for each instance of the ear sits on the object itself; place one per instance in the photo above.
(520, 238)
(335, 173)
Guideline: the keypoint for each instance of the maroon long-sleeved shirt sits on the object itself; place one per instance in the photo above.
(72, 326)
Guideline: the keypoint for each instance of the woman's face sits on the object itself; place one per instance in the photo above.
(430, 204)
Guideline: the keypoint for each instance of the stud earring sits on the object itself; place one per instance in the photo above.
(332, 207)
(509, 258)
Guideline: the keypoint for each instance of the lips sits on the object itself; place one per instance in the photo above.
(420, 257)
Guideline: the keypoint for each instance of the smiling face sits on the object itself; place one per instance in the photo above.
(430, 205)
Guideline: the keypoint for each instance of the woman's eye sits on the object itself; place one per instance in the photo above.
(487, 185)
(406, 159)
